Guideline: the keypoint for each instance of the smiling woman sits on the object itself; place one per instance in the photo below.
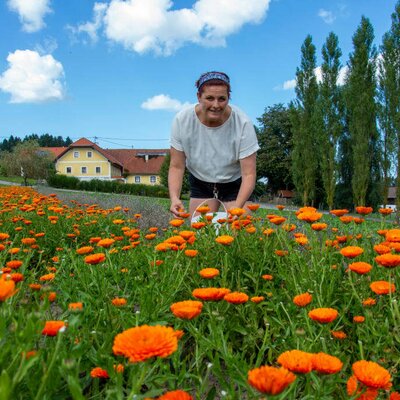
(217, 143)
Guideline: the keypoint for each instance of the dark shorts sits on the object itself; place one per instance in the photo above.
(206, 190)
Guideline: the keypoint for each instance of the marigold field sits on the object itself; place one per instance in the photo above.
(283, 305)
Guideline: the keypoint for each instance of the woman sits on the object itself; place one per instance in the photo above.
(217, 143)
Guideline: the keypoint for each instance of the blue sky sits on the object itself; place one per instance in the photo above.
(116, 71)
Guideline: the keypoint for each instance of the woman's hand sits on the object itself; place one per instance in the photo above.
(177, 207)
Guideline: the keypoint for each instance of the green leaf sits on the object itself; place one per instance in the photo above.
(5, 386)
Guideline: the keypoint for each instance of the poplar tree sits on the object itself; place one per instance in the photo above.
(361, 109)
(331, 106)
(389, 102)
(304, 121)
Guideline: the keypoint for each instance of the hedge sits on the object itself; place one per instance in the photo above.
(97, 185)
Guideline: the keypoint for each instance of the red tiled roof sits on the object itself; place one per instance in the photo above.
(55, 151)
(134, 160)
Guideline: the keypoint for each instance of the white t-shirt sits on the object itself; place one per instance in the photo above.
(213, 154)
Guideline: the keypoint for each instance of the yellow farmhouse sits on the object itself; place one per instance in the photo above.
(86, 160)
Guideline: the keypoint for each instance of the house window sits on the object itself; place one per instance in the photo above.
(137, 179)
(84, 170)
(89, 154)
(76, 154)
(98, 170)
(68, 170)
(153, 179)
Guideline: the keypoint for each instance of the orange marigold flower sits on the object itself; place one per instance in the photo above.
(75, 306)
(176, 222)
(47, 277)
(4, 236)
(105, 243)
(257, 299)
(301, 240)
(323, 315)
(385, 211)
(358, 319)
(118, 302)
(296, 361)
(346, 219)
(394, 396)
(35, 286)
(224, 239)
(51, 328)
(94, 239)
(7, 289)
(351, 251)
(393, 235)
(98, 372)
(280, 207)
(302, 300)
(267, 277)
(382, 287)
(277, 220)
(388, 260)
(143, 342)
(30, 354)
(309, 216)
(253, 207)
(14, 250)
(369, 302)
(84, 250)
(270, 380)
(210, 294)
(236, 297)
(281, 253)
(28, 241)
(372, 374)
(339, 335)
(178, 240)
(203, 209)
(150, 236)
(198, 225)
(209, 273)
(360, 267)
(381, 249)
(318, 226)
(95, 258)
(364, 210)
(326, 364)
(14, 264)
(187, 309)
(354, 388)
(187, 234)
(237, 212)
(17, 277)
(191, 253)
(176, 395)
(268, 231)
(339, 213)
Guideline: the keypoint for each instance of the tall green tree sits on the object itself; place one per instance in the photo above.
(331, 107)
(275, 140)
(28, 161)
(361, 109)
(305, 125)
(389, 102)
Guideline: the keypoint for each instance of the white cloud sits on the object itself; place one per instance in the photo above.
(153, 26)
(91, 28)
(163, 102)
(289, 85)
(32, 78)
(327, 16)
(31, 13)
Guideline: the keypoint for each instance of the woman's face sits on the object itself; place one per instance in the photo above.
(213, 103)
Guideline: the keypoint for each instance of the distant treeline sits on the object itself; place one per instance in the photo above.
(45, 140)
